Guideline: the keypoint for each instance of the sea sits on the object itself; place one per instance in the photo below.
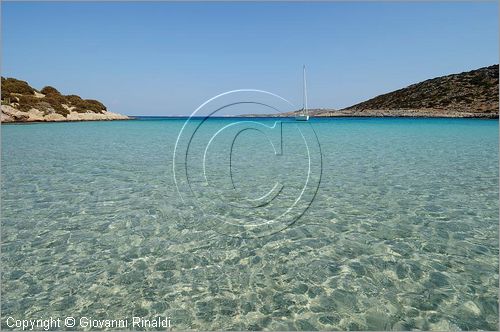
(252, 223)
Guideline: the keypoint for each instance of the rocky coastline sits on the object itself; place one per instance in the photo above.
(12, 115)
(385, 113)
(22, 103)
(407, 113)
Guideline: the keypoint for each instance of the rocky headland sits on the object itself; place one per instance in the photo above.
(472, 94)
(23, 103)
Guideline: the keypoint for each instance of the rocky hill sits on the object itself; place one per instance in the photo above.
(472, 94)
(468, 94)
(23, 103)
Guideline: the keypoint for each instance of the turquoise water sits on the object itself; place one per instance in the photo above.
(401, 234)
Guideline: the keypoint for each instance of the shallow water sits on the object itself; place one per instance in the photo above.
(402, 233)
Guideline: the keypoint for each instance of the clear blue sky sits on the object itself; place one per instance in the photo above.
(161, 58)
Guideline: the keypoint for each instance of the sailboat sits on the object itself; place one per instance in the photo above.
(303, 115)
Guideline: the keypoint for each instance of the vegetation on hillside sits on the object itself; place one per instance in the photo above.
(11, 85)
(473, 91)
(20, 95)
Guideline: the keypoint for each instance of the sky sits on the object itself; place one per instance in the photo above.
(167, 58)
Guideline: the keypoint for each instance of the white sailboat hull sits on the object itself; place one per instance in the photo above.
(302, 117)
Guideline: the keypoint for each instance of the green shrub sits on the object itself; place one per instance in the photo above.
(45, 107)
(12, 85)
(56, 98)
(56, 102)
(5, 94)
(90, 105)
(27, 102)
(49, 90)
(20, 92)
(79, 109)
(73, 100)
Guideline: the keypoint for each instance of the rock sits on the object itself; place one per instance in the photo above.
(300, 289)
(304, 325)
(329, 320)
(377, 320)
(328, 303)
(472, 308)
(438, 279)
(11, 114)
(469, 94)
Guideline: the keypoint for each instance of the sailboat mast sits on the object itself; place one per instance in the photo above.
(303, 115)
(305, 91)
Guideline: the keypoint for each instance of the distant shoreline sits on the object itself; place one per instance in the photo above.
(266, 116)
(390, 113)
